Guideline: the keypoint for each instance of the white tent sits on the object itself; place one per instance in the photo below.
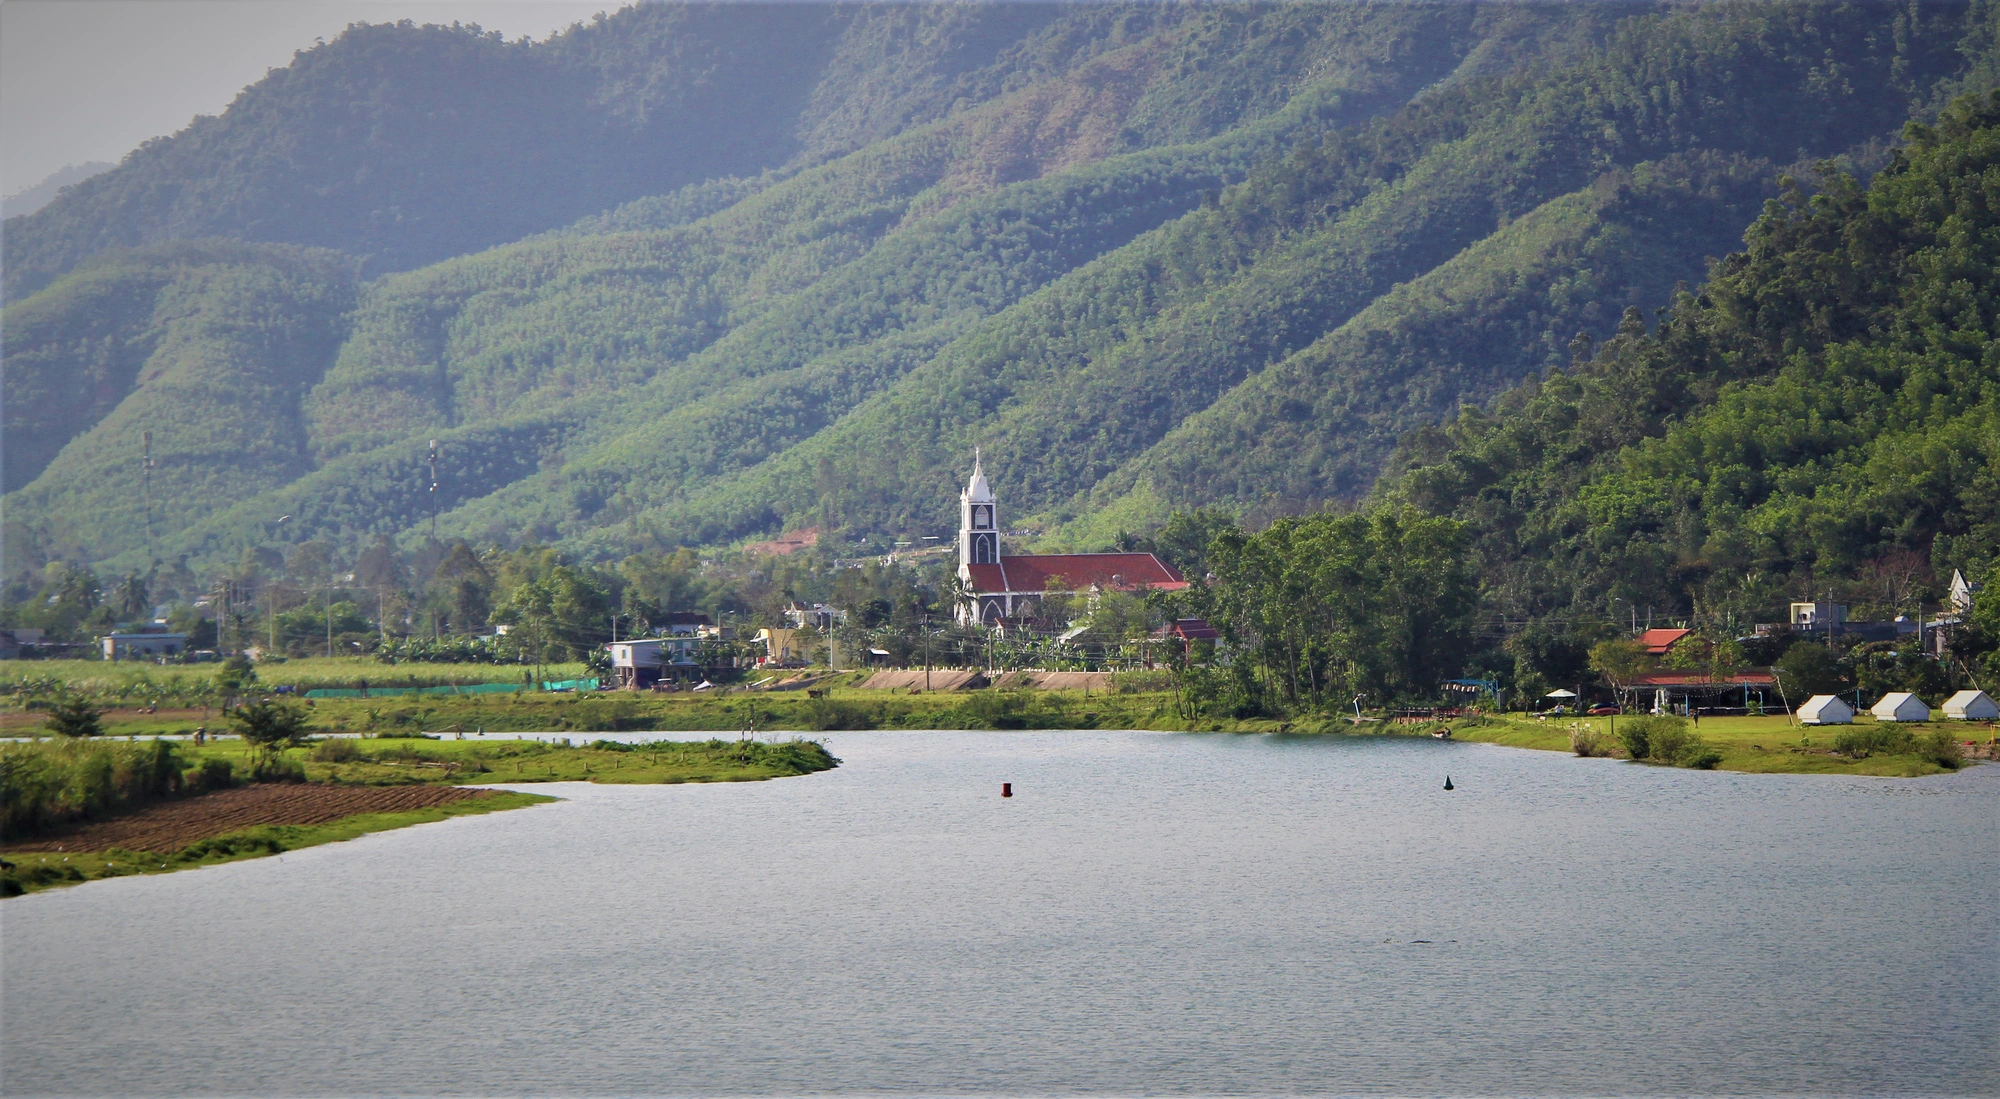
(1971, 706)
(1900, 706)
(1825, 710)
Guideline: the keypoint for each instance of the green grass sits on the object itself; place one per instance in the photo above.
(402, 761)
(48, 870)
(1756, 745)
(134, 683)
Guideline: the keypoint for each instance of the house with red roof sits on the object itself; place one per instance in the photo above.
(1660, 642)
(999, 589)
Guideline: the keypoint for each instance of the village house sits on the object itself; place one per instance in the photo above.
(1675, 691)
(146, 642)
(784, 647)
(999, 589)
(13, 641)
(815, 616)
(1660, 642)
(641, 662)
(1959, 598)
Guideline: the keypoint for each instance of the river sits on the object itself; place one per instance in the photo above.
(1150, 913)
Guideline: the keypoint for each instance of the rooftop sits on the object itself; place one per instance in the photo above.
(1076, 572)
(1658, 641)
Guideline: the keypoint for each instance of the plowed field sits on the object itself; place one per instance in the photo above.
(171, 825)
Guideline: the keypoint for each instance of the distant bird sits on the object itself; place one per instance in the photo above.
(1447, 783)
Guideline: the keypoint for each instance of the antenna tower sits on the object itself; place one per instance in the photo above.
(434, 490)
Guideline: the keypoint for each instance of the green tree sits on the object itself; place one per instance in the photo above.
(234, 675)
(1325, 607)
(269, 727)
(561, 616)
(74, 715)
(1810, 668)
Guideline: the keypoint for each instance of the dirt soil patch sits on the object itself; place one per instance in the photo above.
(171, 825)
(16, 721)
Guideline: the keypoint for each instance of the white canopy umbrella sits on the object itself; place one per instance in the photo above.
(1560, 693)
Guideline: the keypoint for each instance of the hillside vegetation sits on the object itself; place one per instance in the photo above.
(704, 274)
(1825, 409)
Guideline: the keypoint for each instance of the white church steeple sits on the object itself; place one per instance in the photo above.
(978, 520)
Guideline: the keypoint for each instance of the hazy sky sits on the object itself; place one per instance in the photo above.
(88, 80)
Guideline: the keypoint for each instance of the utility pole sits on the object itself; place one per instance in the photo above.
(434, 491)
(271, 600)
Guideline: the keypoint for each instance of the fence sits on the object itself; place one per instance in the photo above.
(391, 692)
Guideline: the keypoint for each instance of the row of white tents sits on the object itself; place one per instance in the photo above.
(1899, 706)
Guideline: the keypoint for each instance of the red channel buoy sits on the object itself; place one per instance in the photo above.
(1006, 789)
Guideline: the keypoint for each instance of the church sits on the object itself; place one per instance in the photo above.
(1001, 589)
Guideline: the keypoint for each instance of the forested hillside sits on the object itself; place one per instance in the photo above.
(1823, 414)
(709, 273)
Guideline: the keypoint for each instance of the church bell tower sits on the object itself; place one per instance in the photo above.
(978, 521)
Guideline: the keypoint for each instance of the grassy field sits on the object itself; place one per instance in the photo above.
(1759, 745)
(48, 870)
(137, 683)
(733, 712)
(1754, 744)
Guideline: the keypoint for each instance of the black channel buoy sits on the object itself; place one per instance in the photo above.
(1447, 783)
(1006, 789)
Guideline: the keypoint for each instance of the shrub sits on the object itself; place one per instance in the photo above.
(826, 715)
(1674, 741)
(1587, 741)
(277, 769)
(209, 774)
(1705, 761)
(335, 749)
(1862, 741)
(47, 783)
(1662, 738)
(73, 715)
(1636, 732)
(1942, 748)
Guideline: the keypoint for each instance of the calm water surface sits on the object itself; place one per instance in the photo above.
(1151, 913)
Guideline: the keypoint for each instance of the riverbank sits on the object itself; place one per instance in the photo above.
(349, 787)
(1755, 745)
(78, 855)
(1750, 744)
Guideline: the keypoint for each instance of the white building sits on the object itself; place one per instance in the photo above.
(1971, 706)
(1962, 591)
(1818, 616)
(1900, 706)
(639, 664)
(1825, 710)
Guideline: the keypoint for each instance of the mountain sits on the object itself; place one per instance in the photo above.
(30, 199)
(1823, 413)
(405, 144)
(1148, 256)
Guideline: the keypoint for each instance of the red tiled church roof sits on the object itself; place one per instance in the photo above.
(1033, 572)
